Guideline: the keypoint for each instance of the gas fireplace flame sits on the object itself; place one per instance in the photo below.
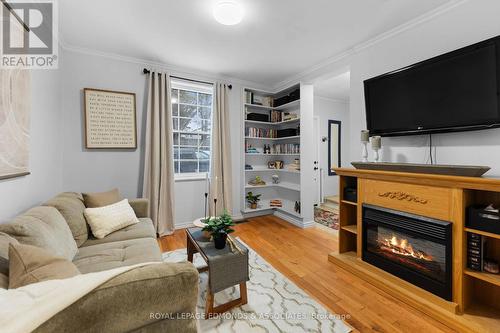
(403, 248)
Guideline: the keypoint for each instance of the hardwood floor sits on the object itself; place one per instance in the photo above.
(302, 256)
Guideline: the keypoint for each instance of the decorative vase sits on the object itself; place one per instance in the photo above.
(220, 241)
(376, 146)
(253, 205)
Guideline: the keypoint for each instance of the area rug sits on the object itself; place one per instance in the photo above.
(326, 217)
(275, 304)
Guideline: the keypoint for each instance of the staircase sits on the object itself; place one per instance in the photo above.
(331, 203)
(327, 213)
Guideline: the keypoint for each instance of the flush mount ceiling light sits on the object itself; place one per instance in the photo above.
(228, 12)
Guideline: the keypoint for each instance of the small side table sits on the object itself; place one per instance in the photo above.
(225, 269)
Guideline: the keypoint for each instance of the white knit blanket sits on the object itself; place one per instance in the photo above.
(24, 309)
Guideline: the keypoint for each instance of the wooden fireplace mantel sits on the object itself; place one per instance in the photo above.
(475, 304)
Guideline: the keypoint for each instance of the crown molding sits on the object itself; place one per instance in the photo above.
(294, 79)
(162, 67)
(371, 42)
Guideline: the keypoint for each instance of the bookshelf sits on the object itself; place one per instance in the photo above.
(260, 127)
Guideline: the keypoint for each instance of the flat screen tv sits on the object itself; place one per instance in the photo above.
(456, 91)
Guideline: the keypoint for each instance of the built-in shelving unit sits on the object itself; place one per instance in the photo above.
(289, 189)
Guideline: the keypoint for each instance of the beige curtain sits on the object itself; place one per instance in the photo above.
(158, 164)
(220, 166)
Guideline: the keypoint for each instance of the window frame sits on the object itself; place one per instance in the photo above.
(198, 88)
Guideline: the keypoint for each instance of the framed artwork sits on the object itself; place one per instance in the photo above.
(110, 119)
(15, 113)
(334, 128)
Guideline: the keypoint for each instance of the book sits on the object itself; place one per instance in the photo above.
(475, 251)
(275, 203)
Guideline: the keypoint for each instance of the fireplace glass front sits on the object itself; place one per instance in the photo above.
(414, 248)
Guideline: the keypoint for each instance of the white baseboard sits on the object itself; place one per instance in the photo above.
(237, 218)
(293, 220)
(308, 224)
(184, 225)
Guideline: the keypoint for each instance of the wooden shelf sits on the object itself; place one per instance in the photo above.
(270, 123)
(289, 105)
(487, 277)
(272, 170)
(287, 208)
(257, 106)
(261, 154)
(349, 202)
(353, 229)
(289, 186)
(482, 318)
(484, 233)
(273, 139)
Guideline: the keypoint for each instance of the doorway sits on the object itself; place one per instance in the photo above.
(331, 105)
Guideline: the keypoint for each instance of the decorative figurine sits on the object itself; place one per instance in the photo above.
(257, 181)
(276, 179)
(297, 206)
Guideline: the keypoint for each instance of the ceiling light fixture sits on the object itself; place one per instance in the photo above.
(228, 12)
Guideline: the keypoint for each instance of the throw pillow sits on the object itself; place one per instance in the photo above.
(30, 264)
(105, 220)
(101, 199)
(5, 240)
(71, 207)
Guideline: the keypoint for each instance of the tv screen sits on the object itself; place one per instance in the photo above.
(456, 91)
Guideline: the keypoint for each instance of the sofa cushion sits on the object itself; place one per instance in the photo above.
(5, 240)
(30, 264)
(70, 205)
(108, 219)
(44, 227)
(94, 200)
(125, 303)
(143, 229)
(101, 257)
(140, 207)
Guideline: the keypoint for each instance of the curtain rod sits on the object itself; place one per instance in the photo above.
(9, 8)
(147, 71)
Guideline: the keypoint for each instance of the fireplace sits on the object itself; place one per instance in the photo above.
(414, 248)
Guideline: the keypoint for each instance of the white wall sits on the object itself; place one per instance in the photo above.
(328, 109)
(19, 194)
(470, 22)
(91, 170)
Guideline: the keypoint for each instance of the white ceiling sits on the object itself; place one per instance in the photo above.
(337, 87)
(277, 38)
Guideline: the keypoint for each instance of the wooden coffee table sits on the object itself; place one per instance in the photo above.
(225, 269)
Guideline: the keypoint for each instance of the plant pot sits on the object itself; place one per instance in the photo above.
(253, 206)
(220, 241)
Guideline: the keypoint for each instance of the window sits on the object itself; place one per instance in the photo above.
(192, 116)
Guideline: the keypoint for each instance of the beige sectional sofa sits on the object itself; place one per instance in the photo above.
(126, 303)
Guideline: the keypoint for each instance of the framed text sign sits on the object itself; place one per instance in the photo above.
(110, 119)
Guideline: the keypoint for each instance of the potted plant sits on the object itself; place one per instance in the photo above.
(253, 200)
(219, 227)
